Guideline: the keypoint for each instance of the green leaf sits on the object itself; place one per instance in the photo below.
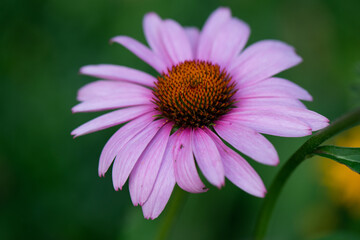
(347, 156)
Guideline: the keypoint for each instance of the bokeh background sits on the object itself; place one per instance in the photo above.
(49, 187)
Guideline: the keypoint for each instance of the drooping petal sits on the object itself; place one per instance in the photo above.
(263, 60)
(213, 24)
(163, 185)
(208, 157)
(274, 87)
(120, 138)
(111, 119)
(271, 122)
(193, 35)
(129, 154)
(142, 52)
(186, 174)
(109, 89)
(127, 99)
(176, 42)
(248, 141)
(143, 176)
(118, 73)
(239, 171)
(229, 41)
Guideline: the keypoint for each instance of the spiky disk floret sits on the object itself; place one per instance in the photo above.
(194, 93)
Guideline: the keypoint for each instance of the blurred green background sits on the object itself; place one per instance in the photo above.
(49, 187)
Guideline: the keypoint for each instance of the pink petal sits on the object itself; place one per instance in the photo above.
(186, 174)
(248, 141)
(120, 138)
(129, 154)
(229, 41)
(263, 60)
(309, 118)
(176, 42)
(107, 103)
(274, 102)
(213, 24)
(163, 186)
(274, 87)
(239, 171)
(143, 176)
(193, 35)
(118, 73)
(142, 52)
(153, 26)
(109, 89)
(111, 119)
(313, 119)
(208, 157)
(270, 122)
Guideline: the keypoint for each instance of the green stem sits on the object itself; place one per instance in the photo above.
(298, 157)
(176, 204)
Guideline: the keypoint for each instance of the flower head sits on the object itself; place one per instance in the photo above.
(194, 94)
(208, 89)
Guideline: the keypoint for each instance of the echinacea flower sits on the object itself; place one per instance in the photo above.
(208, 89)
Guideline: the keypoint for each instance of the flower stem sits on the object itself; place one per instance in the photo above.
(172, 214)
(298, 157)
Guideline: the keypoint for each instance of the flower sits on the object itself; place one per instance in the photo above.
(343, 183)
(208, 89)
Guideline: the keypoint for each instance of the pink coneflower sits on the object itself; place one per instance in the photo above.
(208, 89)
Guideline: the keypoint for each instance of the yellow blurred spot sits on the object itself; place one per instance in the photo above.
(343, 183)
